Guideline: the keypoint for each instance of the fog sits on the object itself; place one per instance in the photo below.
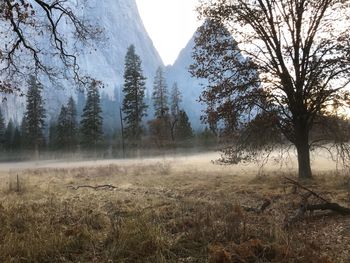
(202, 160)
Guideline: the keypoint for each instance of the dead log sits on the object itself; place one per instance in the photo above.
(104, 187)
(305, 206)
(329, 206)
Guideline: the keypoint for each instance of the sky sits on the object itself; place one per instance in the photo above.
(170, 24)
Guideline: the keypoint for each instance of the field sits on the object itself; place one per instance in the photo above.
(171, 209)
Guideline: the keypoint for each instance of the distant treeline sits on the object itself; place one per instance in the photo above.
(76, 129)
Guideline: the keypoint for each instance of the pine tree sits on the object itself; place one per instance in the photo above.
(160, 95)
(183, 129)
(176, 99)
(52, 143)
(61, 129)
(161, 127)
(71, 125)
(81, 101)
(134, 107)
(17, 140)
(91, 119)
(35, 115)
(9, 136)
(67, 127)
(24, 133)
(2, 131)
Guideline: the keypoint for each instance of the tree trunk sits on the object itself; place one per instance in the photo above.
(304, 161)
(172, 129)
(122, 130)
(303, 151)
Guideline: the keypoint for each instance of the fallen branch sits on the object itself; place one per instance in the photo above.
(305, 188)
(329, 206)
(105, 186)
(305, 206)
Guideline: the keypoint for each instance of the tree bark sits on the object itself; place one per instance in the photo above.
(303, 151)
(301, 142)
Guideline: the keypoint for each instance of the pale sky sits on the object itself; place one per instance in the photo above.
(170, 24)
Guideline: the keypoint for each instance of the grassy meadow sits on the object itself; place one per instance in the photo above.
(181, 209)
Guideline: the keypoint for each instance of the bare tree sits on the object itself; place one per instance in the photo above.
(301, 52)
(25, 25)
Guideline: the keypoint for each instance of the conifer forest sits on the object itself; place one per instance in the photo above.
(180, 131)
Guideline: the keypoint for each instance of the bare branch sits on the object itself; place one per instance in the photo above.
(289, 60)
(30, 24)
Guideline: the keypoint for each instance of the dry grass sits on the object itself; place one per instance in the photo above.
(165, 211)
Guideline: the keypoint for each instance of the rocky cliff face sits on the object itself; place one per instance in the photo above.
(122, 26)
(192, 87)
(189, 86)
(103, 60)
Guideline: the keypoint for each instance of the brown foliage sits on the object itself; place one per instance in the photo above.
(289, 61)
